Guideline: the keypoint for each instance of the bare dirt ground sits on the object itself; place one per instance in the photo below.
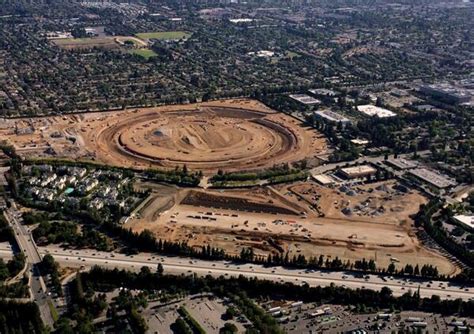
(86, 43)
(274, 220)
(230, 135)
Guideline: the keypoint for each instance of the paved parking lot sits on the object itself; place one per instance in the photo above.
(207, 311)
(296, 317)
(161, 321)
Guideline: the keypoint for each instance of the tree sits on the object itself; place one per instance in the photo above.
(48, 264)
(159, 269)
(63, 326)
(391, 268)
(180, 327)
(16, 264)
(228, 328)
(416, 272)
(385, 293)
(230, 313)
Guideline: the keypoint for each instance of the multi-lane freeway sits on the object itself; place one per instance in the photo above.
(178, 265)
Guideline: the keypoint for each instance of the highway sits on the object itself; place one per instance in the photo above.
(39, 291)
(178, 265)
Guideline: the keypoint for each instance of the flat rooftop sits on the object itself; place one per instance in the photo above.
(371, 110)
(332, 116)
(324, 92)
(359, 141)
(437, 180)
(262, 53)
(324, 179)
(402, 163)
(465, 220)
(362, 169)
(305, 99)
(241, 20)
(448, 88)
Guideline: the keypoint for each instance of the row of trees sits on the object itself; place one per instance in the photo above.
(20, 318)
(424, 218)
(99, 279)
(276, 174)
(180, 176)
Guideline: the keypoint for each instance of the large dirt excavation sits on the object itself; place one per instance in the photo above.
(207, 139)
(232, 135)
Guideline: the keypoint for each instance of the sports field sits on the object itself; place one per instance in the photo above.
(164, 35)
(87, 43)
(145, 53)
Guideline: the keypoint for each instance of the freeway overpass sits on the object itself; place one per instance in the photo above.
(38, 290)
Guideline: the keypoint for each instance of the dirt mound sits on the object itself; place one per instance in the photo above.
(197, 198)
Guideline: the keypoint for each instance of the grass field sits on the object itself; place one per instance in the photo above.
(83, 43)
(145, 53)
(86, 40)
(164, 35)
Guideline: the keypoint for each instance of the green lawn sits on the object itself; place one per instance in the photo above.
(164, 35)
(54, 312)
(145, 53)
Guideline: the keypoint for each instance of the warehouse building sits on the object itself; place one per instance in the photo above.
(305, 99)
(323, 179)
(466, 221)
(437, 180)
(331, 117)
(371, 111)
(323, 92)
(358, 171)
(447, 93)
(401, 163)
(360, 142)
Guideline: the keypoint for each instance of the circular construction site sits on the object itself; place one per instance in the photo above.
(207, 138)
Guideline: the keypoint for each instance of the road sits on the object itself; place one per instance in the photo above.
(178, 265)
(39, 291)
